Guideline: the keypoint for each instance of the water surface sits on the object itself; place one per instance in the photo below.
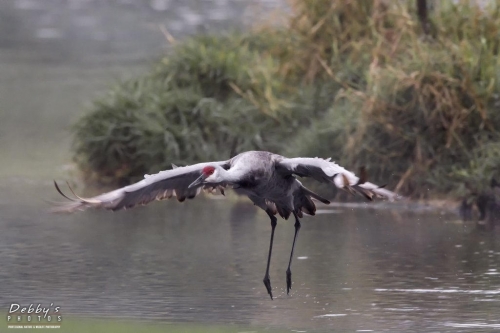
(203, 261)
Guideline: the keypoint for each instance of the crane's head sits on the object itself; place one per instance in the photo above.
(209, 174)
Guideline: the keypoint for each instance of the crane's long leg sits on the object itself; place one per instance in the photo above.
(267, 281)
(288, 271)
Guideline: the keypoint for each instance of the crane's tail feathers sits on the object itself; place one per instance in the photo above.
(303, 202)
(315, 196)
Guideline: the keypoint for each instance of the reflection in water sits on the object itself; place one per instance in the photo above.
(243, 219)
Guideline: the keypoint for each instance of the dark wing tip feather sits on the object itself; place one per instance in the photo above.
(367, 194)
(61, 192)
(68, 207)
(326, 202)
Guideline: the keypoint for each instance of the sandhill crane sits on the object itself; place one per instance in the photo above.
(268, 179)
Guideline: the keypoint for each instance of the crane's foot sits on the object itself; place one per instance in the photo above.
(267, 283)
(288, 281)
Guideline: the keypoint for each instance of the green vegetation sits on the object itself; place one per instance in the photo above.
(211, 98)
(356, 80)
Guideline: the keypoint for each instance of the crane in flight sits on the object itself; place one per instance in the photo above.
(268, 179)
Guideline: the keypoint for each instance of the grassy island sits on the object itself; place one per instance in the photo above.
(364, 82)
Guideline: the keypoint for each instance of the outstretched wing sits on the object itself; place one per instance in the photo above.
(162, 185)
(329, 172)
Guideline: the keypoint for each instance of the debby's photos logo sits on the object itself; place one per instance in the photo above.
(34, 316)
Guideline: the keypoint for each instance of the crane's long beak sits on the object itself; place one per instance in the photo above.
(198, 181)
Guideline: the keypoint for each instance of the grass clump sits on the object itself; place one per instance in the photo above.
(210, 99)
(420, 103)
(361, 81)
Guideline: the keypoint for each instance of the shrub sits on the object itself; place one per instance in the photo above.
(356, 80)
(211, 98)
(421, 103)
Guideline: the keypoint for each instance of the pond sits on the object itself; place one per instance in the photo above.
(355, 268)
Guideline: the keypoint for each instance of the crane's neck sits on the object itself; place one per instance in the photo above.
(231, 176)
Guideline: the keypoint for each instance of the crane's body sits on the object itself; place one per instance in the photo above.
(255, 174)
(268, 179)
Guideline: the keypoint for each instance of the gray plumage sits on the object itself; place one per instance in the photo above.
(267, 179)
